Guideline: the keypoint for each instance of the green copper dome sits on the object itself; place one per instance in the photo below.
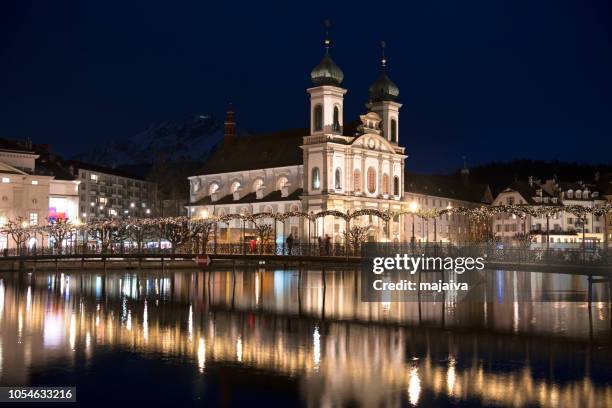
(383, 89)
(326, 73)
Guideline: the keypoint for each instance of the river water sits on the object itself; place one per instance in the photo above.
(293, 338)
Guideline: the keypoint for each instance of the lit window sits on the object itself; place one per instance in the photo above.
(94, 177)
(385, 183)
(34, 182)
(33, 218)
(257, 184)
(371, 180)
(357, 180)
(338, 179)
(316, 178)
(6, 180)
(213, 188)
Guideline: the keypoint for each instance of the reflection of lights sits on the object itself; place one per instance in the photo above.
(1, 298)
(19, 327)
(190, 324)
(257, 288)
(53, 327)
(414, 386)
(201, 354)
(145, 322)
(29, 298)
(87, 340)
(316, 349)
(239, 349)
(450, 376)
(72, 331)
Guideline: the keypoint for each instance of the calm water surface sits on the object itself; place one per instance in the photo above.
(289, 338)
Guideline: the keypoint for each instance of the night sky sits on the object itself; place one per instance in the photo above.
(486, 79)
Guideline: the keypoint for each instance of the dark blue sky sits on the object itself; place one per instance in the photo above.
(488, 79)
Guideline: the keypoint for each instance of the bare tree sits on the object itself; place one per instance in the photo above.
(59, 230)
(19, 230)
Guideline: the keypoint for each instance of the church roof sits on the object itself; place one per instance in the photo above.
(276, 149)
(447, 187)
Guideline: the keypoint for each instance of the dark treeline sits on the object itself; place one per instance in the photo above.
(500, 174)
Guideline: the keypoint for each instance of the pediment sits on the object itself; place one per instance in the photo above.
(373, 142)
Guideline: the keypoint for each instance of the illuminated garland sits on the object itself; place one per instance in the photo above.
(123, 226)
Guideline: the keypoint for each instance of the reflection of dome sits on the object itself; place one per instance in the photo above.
(327, 72)
(383, 89)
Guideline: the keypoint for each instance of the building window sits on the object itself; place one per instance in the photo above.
(336, 119)
(371, 180)
(282, 182)
(357, 180)
(6, 180)
(34, 182)
(94, 177)
(257, 184)
(235, 186)
(385, 183)
(393, 130)
(212, 189)
(33, 218)
(338, 179)
(316, 178)
(396, 186)
(318, 118)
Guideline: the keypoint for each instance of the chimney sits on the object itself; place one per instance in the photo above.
(530, 181)
(229, 133)
(597, 177)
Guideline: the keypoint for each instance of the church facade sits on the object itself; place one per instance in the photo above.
(329, 166)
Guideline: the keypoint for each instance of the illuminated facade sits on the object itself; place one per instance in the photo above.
(332, 165)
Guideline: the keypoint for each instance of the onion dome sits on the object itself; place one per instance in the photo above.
(383, 89)
(326, 73)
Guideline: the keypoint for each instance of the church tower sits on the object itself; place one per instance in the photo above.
(326, 97)
(383, 95)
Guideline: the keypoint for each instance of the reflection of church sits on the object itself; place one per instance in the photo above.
(331, 166)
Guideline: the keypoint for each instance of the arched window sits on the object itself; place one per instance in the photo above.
(396, 186)
(371, 180)
(338, 179)
(257, 184)
(282, 182)
(235, 186)
(385, 183)
(357, 180)
(212, 189)
(315, 178)
(318, 118)
(336, 119)
(393, 131)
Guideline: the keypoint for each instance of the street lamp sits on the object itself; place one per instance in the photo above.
(413, 209)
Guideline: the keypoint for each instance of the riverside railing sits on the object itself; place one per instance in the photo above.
(492, 253)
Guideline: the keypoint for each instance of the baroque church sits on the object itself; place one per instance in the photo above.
(330, 166)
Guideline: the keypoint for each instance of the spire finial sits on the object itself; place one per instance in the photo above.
(327, 40)
(383, 60)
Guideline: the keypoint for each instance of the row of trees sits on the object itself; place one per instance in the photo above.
(180, 231)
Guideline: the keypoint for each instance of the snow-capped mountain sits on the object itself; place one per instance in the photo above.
(190, 139)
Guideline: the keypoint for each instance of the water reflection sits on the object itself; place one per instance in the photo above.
(313, 327)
